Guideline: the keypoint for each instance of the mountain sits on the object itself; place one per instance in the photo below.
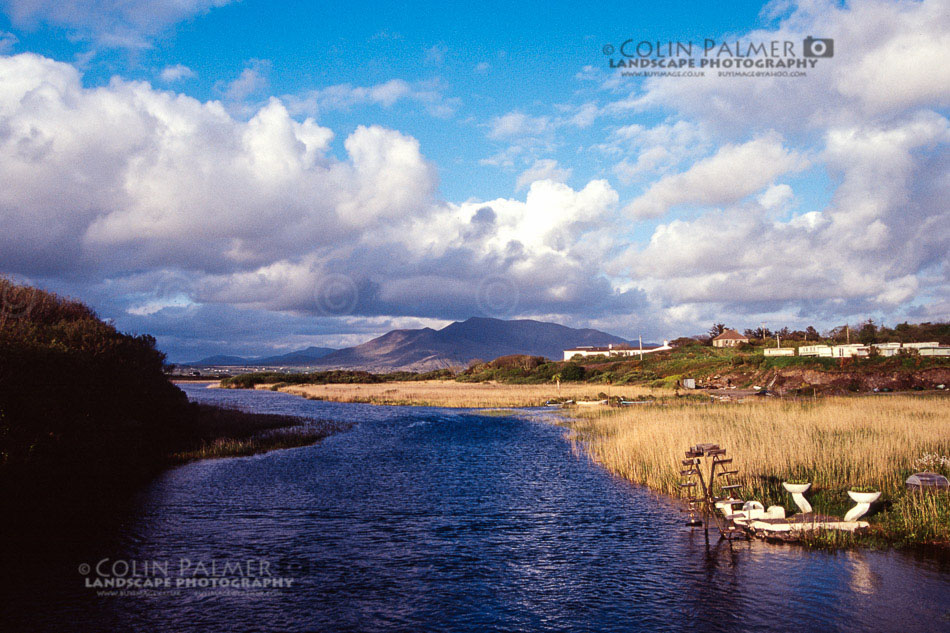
(303, 357)
(221, 359)
(462, 342)
(300, 357)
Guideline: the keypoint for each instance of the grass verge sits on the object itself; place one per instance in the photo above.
(835, 443)
(231, 433)
(449, 393)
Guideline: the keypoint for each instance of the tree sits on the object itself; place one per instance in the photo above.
(573, 372)
(716, 330)
(684, 341)
(759, 333)
(868, 333)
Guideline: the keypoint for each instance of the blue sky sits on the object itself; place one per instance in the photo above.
(252, 177)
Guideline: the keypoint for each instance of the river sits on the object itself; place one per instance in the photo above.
(422, 519)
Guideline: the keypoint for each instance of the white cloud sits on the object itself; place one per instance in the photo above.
(120, 179)
(178, 72)
(733, 173)
(119, 23)
(252, 81)
(888, 57)
(883, 227)
(544, 169)
(585, 115)
(124, 176)
(658, 149)
(482, 68)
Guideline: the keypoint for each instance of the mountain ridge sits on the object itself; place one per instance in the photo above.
(455, 345)
(300, 356)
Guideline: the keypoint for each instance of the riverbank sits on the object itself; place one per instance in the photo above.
(835, 443)
(219, 432)
(453, 394)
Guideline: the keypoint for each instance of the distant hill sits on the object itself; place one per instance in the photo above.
(462, 342)
(303, 357)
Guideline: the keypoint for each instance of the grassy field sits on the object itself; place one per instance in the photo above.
(835, 443)
(447, 393)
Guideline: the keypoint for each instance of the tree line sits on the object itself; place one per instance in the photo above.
(867, 333)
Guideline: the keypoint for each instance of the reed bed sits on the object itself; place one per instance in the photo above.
(220, 432)
(241, 447)
(835, 443)
(447, 393)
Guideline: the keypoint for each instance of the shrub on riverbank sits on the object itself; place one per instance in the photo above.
(83, 407)
(835, 443)
(87, 414)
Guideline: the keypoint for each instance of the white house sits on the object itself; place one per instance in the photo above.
(815, 350)
(729, 338)
(614, 350)
(847, 351)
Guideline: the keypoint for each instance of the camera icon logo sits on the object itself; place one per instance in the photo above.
(818, 47)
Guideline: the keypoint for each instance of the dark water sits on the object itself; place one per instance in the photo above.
(438, 520)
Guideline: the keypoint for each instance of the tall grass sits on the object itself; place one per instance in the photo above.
(260, 443)
(443, 393)
(218, 432)
(835, 443)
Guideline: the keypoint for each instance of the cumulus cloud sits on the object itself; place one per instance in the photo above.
(127, 176)
(733, 173)
(189, 208)
(871, 118)
(120, 23)
(257, 214)
(889, 57)
(543, 169)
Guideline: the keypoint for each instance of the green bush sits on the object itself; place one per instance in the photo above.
(572, 372)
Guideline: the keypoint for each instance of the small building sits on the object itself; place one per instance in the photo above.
(614, 350)
(887, 349)
(823, 351)
(848, 351)
(729, 338)
(780, 351)
(921, 345)
(938, 350)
